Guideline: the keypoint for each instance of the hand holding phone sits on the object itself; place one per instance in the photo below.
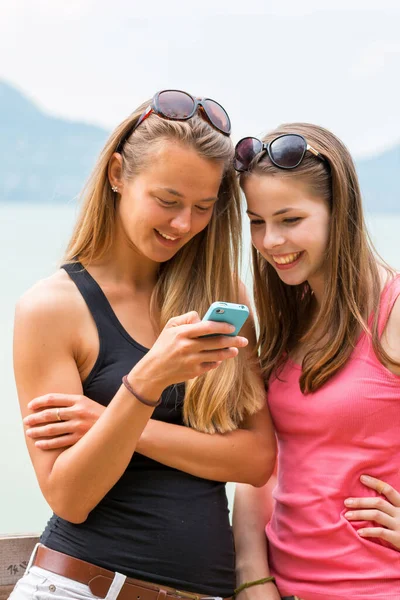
(228, 312)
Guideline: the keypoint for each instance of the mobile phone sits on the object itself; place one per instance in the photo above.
(228, 312)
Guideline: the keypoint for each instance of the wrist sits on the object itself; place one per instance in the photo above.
(251, 570)
(144, 382)
(255, 591)
(249, 584)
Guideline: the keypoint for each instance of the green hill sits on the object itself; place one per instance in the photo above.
(48, 159)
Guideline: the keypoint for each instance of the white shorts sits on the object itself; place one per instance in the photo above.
(40, 584)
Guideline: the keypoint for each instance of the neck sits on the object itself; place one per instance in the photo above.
(317, 285)
(123, 265)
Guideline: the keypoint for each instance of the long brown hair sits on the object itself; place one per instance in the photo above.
(203, 271)
(353, 281)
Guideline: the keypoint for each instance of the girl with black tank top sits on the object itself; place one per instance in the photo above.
(140, 510)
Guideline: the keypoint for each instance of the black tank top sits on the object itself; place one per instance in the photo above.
(157, 523)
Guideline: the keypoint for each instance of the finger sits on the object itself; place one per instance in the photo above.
(382, 488)
(371, 502)
(207, 344)
(214, 362)
(205, 366)
(55, 429)
(209, 366)
(213, 356)
(186, 319)
(49, 415)
(63, 441)
(49, 400)
(380, 532)
(203, 328)
(370, 515)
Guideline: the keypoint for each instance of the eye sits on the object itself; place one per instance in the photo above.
(256, 222)
(165, 202)
(291, 220)
(203, 209)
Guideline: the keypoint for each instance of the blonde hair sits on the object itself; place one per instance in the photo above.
(203, 271)
(353, 283)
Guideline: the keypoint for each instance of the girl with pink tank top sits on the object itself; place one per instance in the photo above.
(329, 314)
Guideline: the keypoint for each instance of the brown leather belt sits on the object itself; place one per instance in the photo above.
(99, 579)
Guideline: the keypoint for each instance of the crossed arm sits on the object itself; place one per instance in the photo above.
(244, 455)
(68, 465)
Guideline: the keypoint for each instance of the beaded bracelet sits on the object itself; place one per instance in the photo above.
(248, 584)
(150, 403)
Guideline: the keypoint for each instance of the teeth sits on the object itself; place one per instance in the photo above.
(286, 260)
(167, 237)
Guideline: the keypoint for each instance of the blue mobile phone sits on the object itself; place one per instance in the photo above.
(228, 312)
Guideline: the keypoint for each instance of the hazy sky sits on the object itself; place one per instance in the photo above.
(332, 62)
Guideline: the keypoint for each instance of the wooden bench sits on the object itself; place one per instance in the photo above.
(15, 551)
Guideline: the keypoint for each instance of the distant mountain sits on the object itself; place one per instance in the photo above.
(42, 158)
(47, 159)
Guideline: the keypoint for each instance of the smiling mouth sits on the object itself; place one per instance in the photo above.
(287, 259)
(167, 237)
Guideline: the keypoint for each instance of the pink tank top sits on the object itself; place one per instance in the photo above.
(326, 441)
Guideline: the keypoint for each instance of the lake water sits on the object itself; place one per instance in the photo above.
(32, 239)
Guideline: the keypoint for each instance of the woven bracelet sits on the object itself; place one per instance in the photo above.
(130, 389)
(248, 584)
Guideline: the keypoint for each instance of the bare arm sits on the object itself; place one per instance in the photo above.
(43, 361)
(252, 511)
(75, 479)
(245, 455)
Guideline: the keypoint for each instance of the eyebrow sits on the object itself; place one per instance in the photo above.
(278, 212)
(173, 192)
(283, 211)
(179, 195)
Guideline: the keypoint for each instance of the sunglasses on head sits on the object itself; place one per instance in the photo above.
(176, 105)
(285, 151)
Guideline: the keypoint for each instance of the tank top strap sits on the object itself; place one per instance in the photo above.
(388, 298)
(91, 293)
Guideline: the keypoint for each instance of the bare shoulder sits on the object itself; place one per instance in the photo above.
(391, 336)
(49, 301)
(46, 322)
(50, 315)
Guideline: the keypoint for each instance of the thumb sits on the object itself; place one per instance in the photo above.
(186, 319)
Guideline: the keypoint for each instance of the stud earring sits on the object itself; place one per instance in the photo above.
(114, 188)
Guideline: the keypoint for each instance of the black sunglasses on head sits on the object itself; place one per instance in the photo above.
(285, 151)
(177, 105)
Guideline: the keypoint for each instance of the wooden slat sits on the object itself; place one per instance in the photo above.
(15, 551)
(5, 591)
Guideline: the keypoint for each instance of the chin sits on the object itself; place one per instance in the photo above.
(162, 256)
(291, 278)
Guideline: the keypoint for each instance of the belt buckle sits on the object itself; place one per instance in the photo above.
(181, 594)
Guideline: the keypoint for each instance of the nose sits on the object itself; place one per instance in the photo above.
(181, 222)
(272, 238)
